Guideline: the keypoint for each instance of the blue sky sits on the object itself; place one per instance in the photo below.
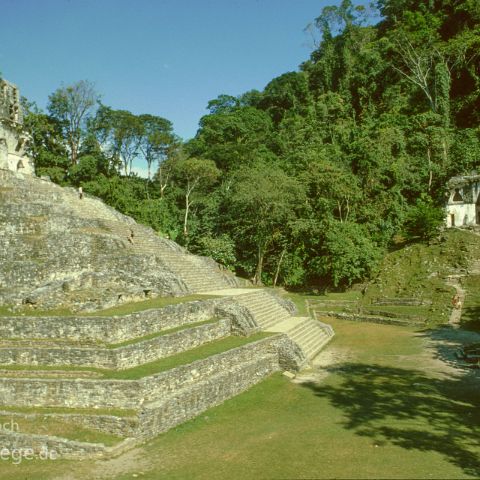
(164, 57)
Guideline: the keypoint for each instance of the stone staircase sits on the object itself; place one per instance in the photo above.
(272, 314)
(265, 308)
(310, 335)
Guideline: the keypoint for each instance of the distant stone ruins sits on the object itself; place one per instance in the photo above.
(13, 138)
(463, 205)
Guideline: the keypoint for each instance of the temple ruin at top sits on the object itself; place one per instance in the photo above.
(13, 137)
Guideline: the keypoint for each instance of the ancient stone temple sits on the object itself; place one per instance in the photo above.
(463, 205)
(13, 138)
(128, 374)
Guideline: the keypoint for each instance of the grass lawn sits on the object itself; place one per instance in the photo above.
(382, 408)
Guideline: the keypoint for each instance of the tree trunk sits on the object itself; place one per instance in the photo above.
(257, 279)
(74, 154)
(430, 172)
(187, 209)
(279, 264)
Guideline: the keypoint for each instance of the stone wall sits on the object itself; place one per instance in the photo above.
(290, 356)
(115, 425)
(128, 394)
(243, 322)
(159, 386)
(190, 402)
(107, 329)
(368, 318)
(13, 138)
(121, 357)
(46, 447)
(127, 327)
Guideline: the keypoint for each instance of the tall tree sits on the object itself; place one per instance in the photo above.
(156, 140)
(121, 133)
(194, 174)
(71, 106)
(264, 202)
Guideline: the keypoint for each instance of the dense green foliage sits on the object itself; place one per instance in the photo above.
(309, 181)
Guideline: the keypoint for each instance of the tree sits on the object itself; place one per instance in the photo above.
(233, 137)
(264, 203)
(424, 219)
(348, 254)
(194, 174)
(156, 140)
(46, 145)
(121, 133)
(71, 106)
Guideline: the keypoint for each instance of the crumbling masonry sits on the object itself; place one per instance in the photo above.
(13, 137)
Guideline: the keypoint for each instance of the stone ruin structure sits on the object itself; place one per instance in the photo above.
(60, 250)
(13, 138)
(463, 205)
(64, 257)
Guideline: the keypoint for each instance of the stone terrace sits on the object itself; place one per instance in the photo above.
(70, 363)
(135, 375)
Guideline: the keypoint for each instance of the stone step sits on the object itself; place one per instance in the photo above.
(261, 303)
(73, 392)
(119, 358)
(272, 321)
(300, 333)
(268, 315)
(315, 337)
(312, 339)
(258, 300)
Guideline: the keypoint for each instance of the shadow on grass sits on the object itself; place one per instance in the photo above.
(471, 318)
(446, 341)
(409, 410)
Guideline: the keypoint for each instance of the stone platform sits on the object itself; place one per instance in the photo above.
(85, 354)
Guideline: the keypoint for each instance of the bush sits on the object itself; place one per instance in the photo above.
(423, 220)
(349, 255)
(221, 249)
